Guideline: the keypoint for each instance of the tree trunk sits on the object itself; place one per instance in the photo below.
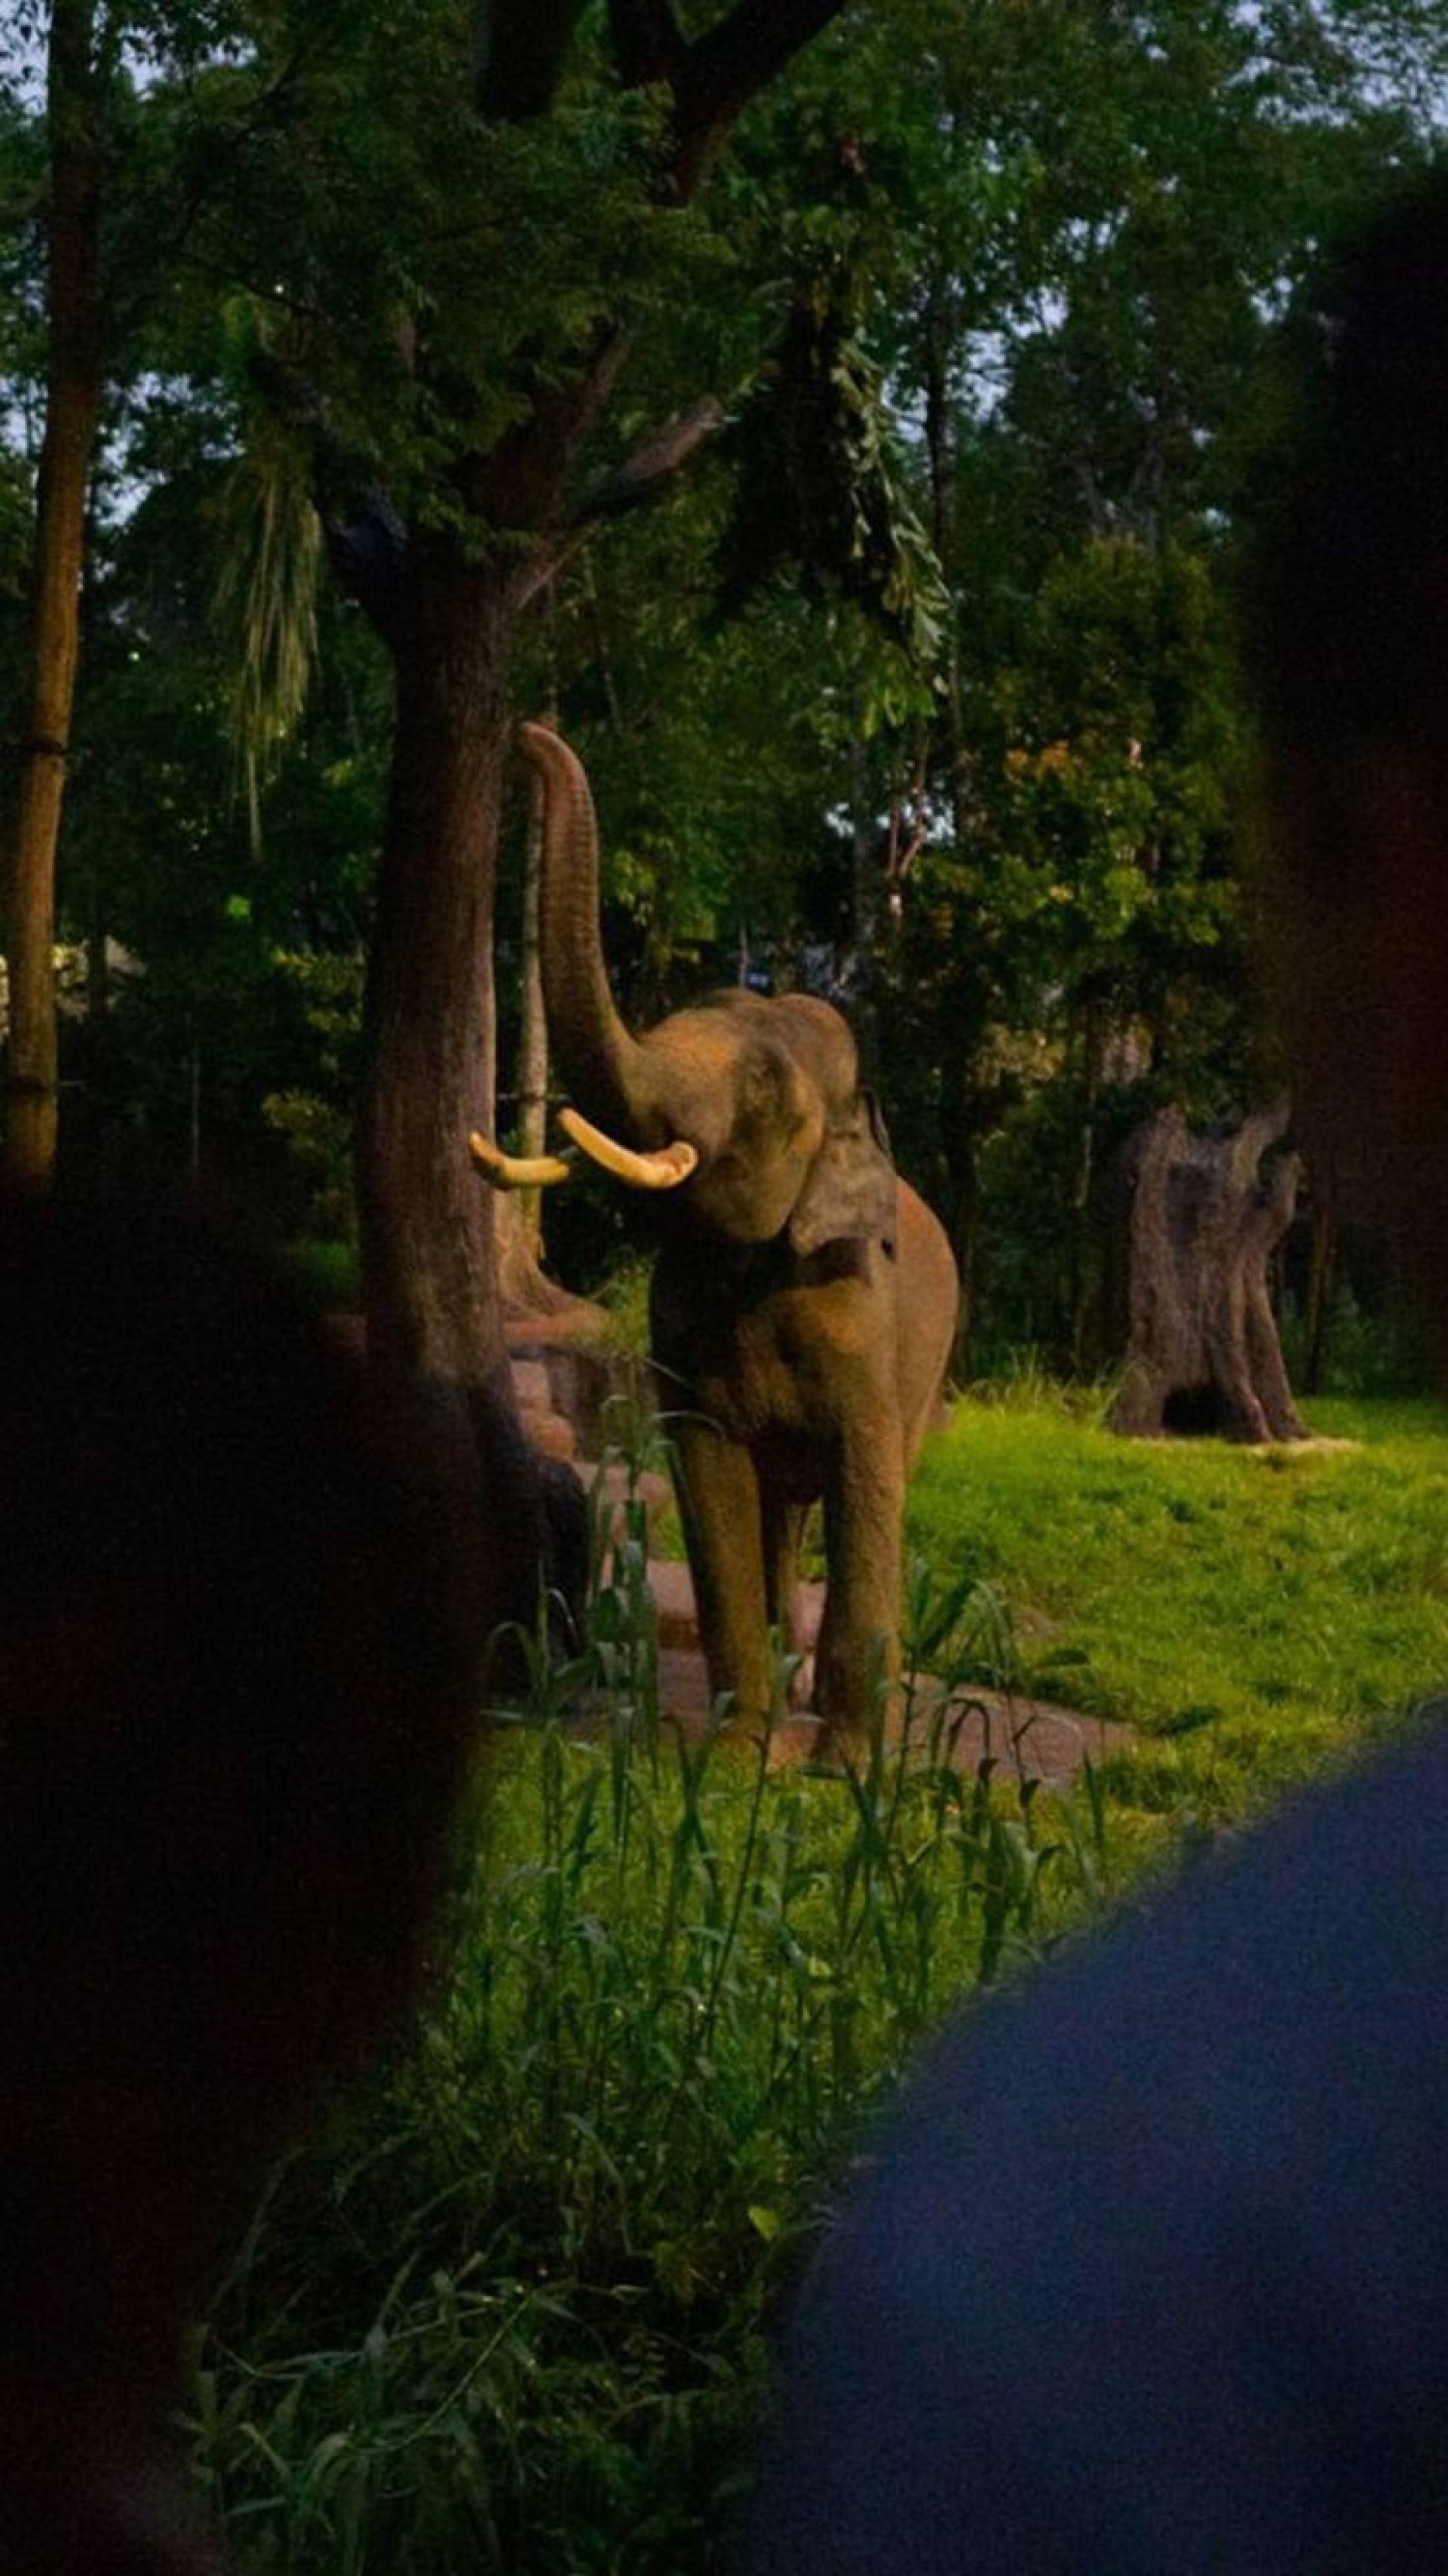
(941, 333)
(426, 1216)
(967, 1111)
(533, 1025)
(72, 410)
(1093, 1009)
(485, 1110)
(1204, 1221)
(971, 1106)
(864, 913)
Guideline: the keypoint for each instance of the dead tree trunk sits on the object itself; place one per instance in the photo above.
(1204, 1219)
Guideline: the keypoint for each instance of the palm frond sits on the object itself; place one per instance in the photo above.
(267, 597)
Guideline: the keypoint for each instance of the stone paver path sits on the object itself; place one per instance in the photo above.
(1029, 1738)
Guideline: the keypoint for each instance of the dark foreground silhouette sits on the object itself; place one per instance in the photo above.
(240, 1600)
(1148, 2276)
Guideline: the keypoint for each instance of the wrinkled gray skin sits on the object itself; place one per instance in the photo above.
(803, 1298)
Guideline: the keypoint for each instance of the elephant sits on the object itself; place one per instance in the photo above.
(803, 1297)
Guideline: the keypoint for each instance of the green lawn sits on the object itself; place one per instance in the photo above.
(1253, 1614)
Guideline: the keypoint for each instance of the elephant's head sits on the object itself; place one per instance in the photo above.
(749, 1109)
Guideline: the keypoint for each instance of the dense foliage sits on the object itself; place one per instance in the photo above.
(917, 685)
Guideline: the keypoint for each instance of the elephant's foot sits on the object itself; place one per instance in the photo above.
(839, 1747)
(859, 1701)
(792, 1740)
(738, 1737)
(786, 1740)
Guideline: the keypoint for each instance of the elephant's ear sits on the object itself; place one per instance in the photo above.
(850, 1192)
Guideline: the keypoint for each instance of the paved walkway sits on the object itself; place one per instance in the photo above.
(1028, 1738)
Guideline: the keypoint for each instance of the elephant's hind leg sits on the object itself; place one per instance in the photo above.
(719, 1501)
(783, 1532)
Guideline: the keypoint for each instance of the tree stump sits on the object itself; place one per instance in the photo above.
(1204, 1220)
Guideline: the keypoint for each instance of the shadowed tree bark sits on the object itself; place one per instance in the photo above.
(532, 1065)
(1204, 1220)
(72, 409)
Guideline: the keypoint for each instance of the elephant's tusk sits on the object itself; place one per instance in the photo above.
(661, 1171)
(514, 1171)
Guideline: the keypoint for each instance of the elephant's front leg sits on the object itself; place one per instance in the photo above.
(718, 1489)
(858, 1659)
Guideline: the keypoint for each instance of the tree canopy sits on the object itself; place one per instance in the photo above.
(858, 409)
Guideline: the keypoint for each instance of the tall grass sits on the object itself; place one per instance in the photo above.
(511, 2312)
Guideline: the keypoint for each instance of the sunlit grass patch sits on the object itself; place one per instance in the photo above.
(1254, 1614)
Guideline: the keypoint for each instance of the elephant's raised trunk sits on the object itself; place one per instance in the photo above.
(603, 1064)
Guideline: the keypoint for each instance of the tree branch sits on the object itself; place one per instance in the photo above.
(519, 50)
(367, 557)
(648, 465)
(518, 483)
(723, 70)
(1260, 1129)
(651, 462)
(647, 45)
